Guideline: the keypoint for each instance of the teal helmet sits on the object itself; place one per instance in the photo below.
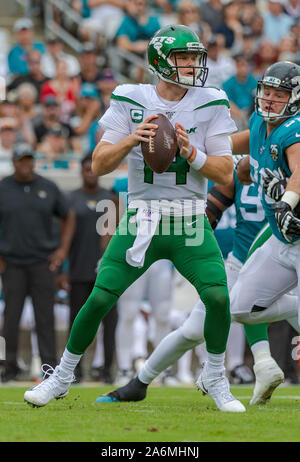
(177, 39)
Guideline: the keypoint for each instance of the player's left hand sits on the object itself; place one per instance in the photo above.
(274, 186)
(288, 223)
(183, 141)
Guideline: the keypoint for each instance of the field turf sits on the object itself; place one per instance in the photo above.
(167, 415)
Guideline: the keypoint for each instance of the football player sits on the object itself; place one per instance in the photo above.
(271, 270)
(202, 121)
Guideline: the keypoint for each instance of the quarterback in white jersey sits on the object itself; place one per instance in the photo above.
(202, 121)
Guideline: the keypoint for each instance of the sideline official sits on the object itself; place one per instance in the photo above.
(36, 229)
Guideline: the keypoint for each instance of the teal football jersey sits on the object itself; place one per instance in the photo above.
(269, 152)
(250, 217)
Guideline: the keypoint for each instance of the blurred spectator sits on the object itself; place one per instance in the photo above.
(102, 17)
(287, 49)
(63, 88)
(212, 13)
(53, 54)
(220, 67)
(88, 110)
(240, 90)
(248, 11)
(36, 76)
(292, 7)
(18, 55)
(231, 26)
(266, 55)
(277, 24)
(8, 128)
(247, 47)
(106, 84)
(83, 260)
(30, 253)
(189, 15)
(11, 108)
(136, 28)
(26, 97)
(89, 69)
(50, 118)
(54, 151)
(257, 27)
(166, 11)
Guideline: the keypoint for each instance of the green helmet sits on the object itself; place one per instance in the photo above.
(177, 39)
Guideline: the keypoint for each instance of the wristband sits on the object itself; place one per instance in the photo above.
(230, 142)
(199, 160)
(191, 153)
(291, 198)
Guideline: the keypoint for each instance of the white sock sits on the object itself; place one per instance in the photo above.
(170, 349)
(67, 364)
(261, 351)
(215, 362)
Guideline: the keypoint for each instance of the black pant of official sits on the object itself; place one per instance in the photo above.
(80, 291)
(38, 282)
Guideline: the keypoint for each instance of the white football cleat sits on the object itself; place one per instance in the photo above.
(268, 376)
(217, 386)
(49, 388)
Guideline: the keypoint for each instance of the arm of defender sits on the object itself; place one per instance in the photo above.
(219, 198)
(240, 142)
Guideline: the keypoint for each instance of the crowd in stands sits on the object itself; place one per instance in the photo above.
(54, 97)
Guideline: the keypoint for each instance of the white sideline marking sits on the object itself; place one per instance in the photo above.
(273, 397)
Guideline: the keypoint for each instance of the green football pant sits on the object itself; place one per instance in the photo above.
(202, 265)
(258, 332)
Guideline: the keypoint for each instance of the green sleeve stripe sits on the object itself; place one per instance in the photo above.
(128, 100)
(218, 102)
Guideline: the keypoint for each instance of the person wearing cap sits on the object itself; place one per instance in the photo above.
(277, 23)
(18, 55)
(31, 252)
(51, 117)
(53, 53)
(55, 151)
(89, 68)
(36, 75)
(221, 67)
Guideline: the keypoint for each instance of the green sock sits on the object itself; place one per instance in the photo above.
(256, 332)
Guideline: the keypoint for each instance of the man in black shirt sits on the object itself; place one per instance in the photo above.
(31, 251)
(49, 119)
(86, 249)
(35, 76)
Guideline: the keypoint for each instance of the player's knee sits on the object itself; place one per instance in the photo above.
(215, 298)
(100, 300)
(193, 331)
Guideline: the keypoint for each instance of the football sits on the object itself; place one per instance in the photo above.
(161, 149)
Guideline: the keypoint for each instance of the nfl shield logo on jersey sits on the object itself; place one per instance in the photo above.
(274, 151)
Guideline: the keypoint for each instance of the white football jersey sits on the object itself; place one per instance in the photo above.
(204, 112)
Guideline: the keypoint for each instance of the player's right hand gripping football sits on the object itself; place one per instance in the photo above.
(288, 223)
(144, 130)
(274, 186)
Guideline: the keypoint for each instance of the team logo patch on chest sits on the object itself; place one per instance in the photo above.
(91, 204)
(136, 115)
(274, 151)
(42, 194)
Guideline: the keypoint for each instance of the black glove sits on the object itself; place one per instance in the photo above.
(288, 223)
(273, 185)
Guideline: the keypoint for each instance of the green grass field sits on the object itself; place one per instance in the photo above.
(167, 415)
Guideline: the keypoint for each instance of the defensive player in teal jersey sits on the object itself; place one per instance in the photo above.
(169, 206)
(282, 84)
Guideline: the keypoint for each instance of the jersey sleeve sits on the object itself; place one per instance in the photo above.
(291, 134)
(115, 119)
(221, 121)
